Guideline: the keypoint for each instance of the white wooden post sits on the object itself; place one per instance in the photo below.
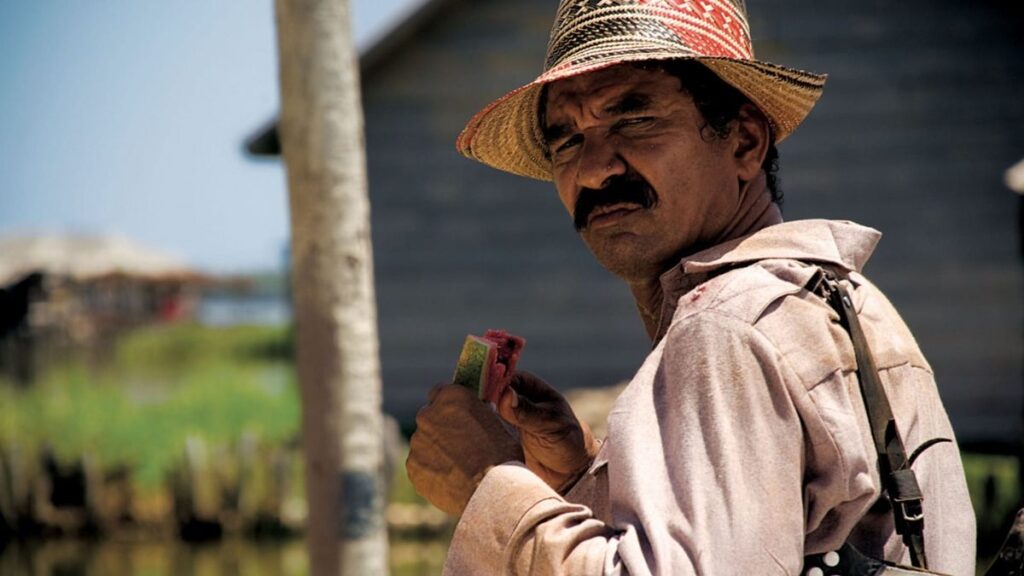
(321, 129)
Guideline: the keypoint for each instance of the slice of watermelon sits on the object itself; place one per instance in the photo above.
(487, 362)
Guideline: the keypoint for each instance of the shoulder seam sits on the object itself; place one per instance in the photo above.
(718, 303)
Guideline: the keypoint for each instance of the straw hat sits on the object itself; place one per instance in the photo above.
(592, 34)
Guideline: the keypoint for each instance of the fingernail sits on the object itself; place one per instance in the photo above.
(515, 399)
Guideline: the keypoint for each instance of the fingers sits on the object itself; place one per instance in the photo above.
(457, 439)
(455, 409)
(445, 392)
(530, 386)
(534, 405)
(447, 389)
(507, 406)
(430, 474)
(539, 417)
(434, 391)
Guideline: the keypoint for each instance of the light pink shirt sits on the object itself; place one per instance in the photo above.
(742, 443)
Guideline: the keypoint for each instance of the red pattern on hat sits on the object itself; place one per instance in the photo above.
(690, 20)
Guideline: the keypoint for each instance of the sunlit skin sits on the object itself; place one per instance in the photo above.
(624, 120)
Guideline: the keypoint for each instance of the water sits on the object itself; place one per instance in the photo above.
(167, 557)
(232, 310)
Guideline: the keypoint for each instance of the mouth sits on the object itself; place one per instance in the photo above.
(610, 215)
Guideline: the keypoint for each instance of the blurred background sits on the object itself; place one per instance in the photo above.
(148, 407)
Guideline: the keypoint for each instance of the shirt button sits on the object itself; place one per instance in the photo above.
(831, 559)
(815, 572)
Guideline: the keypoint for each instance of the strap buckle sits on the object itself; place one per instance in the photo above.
(905, 493)
(821, 284)
(911, 511)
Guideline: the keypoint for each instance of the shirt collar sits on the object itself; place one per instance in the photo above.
(841, 243)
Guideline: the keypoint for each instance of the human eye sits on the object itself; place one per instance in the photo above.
(563, 146)
(634, 122)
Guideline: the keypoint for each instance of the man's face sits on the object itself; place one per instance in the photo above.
(632, 167)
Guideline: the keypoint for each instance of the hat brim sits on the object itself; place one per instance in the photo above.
(506, 134)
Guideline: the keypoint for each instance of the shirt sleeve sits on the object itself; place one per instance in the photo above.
(705, 465)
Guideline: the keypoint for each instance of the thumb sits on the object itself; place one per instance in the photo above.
(507, 404)
(528, 415)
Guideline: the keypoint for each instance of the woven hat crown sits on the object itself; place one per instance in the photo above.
(588, 35)
(594, 30)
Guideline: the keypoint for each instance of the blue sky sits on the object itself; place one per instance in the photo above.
(127, 117)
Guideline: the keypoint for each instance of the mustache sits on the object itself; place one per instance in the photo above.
(630, 189)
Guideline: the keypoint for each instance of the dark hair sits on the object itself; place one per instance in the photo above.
(720, 104)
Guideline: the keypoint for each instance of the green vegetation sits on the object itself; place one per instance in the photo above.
(168, 351)
(996, 475)
(162, 386)
(995, 493)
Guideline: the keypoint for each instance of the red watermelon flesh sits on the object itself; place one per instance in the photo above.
(499, 373)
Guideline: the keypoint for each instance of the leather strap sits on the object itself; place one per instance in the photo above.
(898, 478)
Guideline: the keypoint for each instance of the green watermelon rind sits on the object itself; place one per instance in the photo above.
(471, 370)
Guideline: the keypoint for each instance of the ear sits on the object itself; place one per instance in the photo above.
(752, 139)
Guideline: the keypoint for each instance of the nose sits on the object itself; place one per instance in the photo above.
(598, 162)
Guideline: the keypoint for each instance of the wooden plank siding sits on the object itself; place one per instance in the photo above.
(922, 113)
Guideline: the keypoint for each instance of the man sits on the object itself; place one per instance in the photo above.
(742, 445)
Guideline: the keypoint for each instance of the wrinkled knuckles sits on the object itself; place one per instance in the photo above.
(422, 417)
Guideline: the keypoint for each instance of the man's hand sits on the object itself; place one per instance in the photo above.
(458, 439)
(557, 446)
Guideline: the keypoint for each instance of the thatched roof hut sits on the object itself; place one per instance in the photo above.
(64, 291)
(83, 257)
